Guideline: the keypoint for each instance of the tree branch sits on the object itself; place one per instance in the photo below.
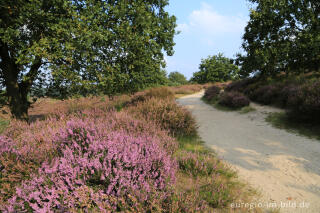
(32, 74)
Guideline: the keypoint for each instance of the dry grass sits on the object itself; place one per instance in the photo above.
(186, 89)
(211, 188)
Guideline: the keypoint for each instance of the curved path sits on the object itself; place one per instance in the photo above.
(283, 166)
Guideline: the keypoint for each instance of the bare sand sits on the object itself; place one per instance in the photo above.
(283, 166)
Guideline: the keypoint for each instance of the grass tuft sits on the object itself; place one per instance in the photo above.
(3, 125)
(247, 109)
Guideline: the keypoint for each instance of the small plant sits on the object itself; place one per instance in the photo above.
(233, 100)
(212, 93)
(3, 125)
(198, 164)
(247, 109)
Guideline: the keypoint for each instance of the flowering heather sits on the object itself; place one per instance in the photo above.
(25, 149)
(304, 101)
(84, 156)
(233, 100)
(212, 93)
(166, 114)
(109, 163)
(267, 94)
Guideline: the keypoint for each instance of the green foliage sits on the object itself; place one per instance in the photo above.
(215, 69)
(177, 79)
(3, 124)
(87, 46)
(281, 36)
(247, 109)
(212, 93)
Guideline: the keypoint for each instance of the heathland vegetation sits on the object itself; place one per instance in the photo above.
(126, 153)
(85, 126)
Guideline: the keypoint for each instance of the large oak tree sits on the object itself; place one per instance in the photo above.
(282, 36)
(107, 45)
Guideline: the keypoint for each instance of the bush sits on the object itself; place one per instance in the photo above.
(267, 94)
(286, 92)
(168, 115)
(36, 143)
(196, 164)
(99, 163)
(304, 100)
(159, 92)
(233, 100)
(212, 93)
(239, 86)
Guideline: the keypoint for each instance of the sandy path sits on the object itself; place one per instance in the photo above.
(285, 167)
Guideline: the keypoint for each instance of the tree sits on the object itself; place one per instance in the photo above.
(282, 36)
(106, 45)
(177, 78)
(215, 69)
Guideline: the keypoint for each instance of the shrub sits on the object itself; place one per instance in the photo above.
(168, 115)
(159, 93)
(267, 94)
(239, 86)
(304, 100)
(36, 143)
(197, 163)
(94, 161)
(233, 100)
(212, 93)
(286, 92)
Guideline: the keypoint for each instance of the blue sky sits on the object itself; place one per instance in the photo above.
(207, 28)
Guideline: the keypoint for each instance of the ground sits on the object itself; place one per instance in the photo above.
(283, 166)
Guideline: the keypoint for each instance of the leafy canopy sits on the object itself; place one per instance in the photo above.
(176, 78)
(83, 46)
(215, 68)
(282, 36)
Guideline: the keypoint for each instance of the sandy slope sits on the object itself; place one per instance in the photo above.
(285, 167)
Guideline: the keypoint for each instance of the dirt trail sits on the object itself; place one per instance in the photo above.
(283, 166)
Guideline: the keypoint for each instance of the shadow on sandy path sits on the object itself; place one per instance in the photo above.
(284, 166)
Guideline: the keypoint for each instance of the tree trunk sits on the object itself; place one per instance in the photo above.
(17, 92)
(18, 102)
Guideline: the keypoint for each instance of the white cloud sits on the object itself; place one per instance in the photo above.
(183, 27)
(207, 20)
